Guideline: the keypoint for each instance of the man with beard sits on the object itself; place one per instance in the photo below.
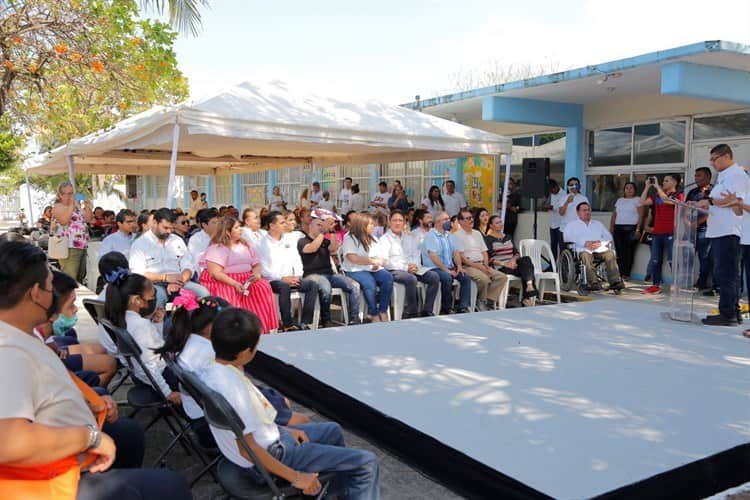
(163, 258)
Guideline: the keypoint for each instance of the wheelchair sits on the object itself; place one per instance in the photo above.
(572, 272)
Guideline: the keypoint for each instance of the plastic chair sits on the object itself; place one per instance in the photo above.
(398, 300)
(537, 251)
(503, 302)
(457, 294)
(422, 294)
(299, 297)
(233, 478)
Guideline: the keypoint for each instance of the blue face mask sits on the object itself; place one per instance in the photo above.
(63, 324)
(447, 225)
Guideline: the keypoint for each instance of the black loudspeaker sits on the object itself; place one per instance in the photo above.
(535, 183)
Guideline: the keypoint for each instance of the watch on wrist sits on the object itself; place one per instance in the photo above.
(710, 201)
(95, 437)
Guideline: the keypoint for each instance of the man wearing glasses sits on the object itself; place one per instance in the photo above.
(182, 227)
(123, 238)
(725, 205)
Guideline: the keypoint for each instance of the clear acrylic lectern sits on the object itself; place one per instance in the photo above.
(684, 260)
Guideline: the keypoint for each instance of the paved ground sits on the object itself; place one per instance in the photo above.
(399, 480)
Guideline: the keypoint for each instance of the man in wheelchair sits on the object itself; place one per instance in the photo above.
(592, 244)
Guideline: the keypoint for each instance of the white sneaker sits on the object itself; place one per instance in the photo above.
(482, 306)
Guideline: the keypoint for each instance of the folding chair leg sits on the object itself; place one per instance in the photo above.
(208, 468)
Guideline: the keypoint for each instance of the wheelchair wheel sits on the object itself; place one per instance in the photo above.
(566, 269)
(583, 290)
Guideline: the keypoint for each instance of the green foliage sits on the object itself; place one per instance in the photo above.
(184, 15)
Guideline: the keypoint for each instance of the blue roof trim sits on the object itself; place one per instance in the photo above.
(588, 71)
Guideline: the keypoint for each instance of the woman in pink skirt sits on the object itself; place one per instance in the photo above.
(232, 272)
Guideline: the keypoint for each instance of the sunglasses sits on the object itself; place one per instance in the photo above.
(185, 223)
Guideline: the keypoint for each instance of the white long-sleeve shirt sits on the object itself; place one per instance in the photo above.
(579, 233)
(197, 355)
(116, 242)
(148, 336)
(197, 246)
(279, 258)
(148, 255)
(400, 251)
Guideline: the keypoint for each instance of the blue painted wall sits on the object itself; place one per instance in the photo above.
(237, 191)
(705, 82)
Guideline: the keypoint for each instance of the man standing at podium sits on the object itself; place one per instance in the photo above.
(725, 229)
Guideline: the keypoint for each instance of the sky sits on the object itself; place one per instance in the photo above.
(394, 50)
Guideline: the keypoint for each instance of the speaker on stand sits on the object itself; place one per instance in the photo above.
(535, 182)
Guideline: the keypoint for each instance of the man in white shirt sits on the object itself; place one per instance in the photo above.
(725, 227)
(123, 238)
(557, 198)
(423, 218)
(316, 195)
(454, 201)
(195, 204)
(207, 219)
(281, 265)
(345, 196)
(592, 244)
(296, 454)
(379, 201)
(475, 260)
(567, 209)
(402, 258)
(163, 258)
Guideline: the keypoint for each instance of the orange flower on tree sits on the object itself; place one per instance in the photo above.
(17, 39)
(136, 41)
(97, 66)
(75, 57)
(123, 105)
(9, 65)
(61, 48)
(33, 68)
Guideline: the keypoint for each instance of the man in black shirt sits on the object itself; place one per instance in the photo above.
(315, 250)
(703, 245)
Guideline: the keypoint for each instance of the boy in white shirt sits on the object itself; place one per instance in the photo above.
(297, 454)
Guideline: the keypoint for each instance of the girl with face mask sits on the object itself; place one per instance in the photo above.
(130, 303)
(60, 336)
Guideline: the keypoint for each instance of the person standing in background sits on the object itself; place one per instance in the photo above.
(624, 227)
(556, 199)
(701, 191)
(345, 196)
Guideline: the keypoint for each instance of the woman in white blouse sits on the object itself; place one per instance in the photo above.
(362, 263)
(276, 201)
(624, 228)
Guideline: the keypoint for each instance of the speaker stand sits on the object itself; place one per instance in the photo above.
(533, 204)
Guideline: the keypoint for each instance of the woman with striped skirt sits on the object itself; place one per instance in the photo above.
(232, 272)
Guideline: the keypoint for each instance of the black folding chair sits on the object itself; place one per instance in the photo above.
(145, 397)
(234, 479)
(95, 308)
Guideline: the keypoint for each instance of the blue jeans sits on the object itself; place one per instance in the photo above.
(555, 240)
(328, 281)
(703, 249)
(357, 471)
(162, 297)
(377, 302)
(446, 290)
(662, 244)
(726, 253)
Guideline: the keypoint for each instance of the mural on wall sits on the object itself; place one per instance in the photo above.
(479, 181)
(256, 196)
(440, 170)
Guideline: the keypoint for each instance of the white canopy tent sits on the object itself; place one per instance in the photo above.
(253, 127)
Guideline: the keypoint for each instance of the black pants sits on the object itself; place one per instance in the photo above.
(306, 286)
(625, 244)
(134, 484)
(524, 270)
(129, 439)
(726, 255)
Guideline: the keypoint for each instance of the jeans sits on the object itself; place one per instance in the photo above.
(377, 302)
(555, 240)
(133, 484)
(446, 290)
(162, 297)
(328, 281)
(746, 262)
(662, 244)
(357, 471)
(703, 249)
(409, 280)
(129, 440)
(284, 291)
(726, 254)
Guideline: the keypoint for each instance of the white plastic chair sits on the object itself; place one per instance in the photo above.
(398, 301)
(299, 297)
(422, 294)
(503, 301)
(536, 250)
(457, 294)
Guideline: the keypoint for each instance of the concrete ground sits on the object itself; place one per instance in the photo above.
(398, 479)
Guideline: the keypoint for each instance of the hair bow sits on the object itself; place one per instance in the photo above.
(117, 276)
(186, 299)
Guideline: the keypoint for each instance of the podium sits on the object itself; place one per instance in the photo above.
(684, 260)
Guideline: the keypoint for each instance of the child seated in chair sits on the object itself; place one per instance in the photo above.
(296, 453)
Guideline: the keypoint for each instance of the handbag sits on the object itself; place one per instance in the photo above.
(57, 246)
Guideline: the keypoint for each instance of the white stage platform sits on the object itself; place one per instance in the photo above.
(573, 401)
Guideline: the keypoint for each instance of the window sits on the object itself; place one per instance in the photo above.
(713, 127)
(662, 142)
(611, 146)
(223, 189)
(603, 190)
(254, 189)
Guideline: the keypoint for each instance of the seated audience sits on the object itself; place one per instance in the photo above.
(107, 264)
(232, 272)
(440, 254)
(433, 202)
(182, 227)
(592, 245)
(145, 221)
(207, 219)
(282, 266)
(121, 240)
(251, 231)
(362, 263)
(296, 453)
(315, 250)
(46, 420)
(475, 262)
(163, 258)
(130, 299)
(423, 220)
(402, 258)
(505, 257)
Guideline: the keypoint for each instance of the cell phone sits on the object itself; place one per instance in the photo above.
(652, 179)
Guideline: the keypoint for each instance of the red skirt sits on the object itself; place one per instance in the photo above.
(259, 299)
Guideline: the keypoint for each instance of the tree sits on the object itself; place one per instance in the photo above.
(495, 72)
(184, 15)
(69, 67)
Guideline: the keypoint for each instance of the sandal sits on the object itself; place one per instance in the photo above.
(529, 294)
(746, 334)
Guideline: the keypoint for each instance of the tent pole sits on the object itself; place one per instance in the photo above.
(173, 165)
(28, 193)
(313, 176)
(69, 160)
(508, 160)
